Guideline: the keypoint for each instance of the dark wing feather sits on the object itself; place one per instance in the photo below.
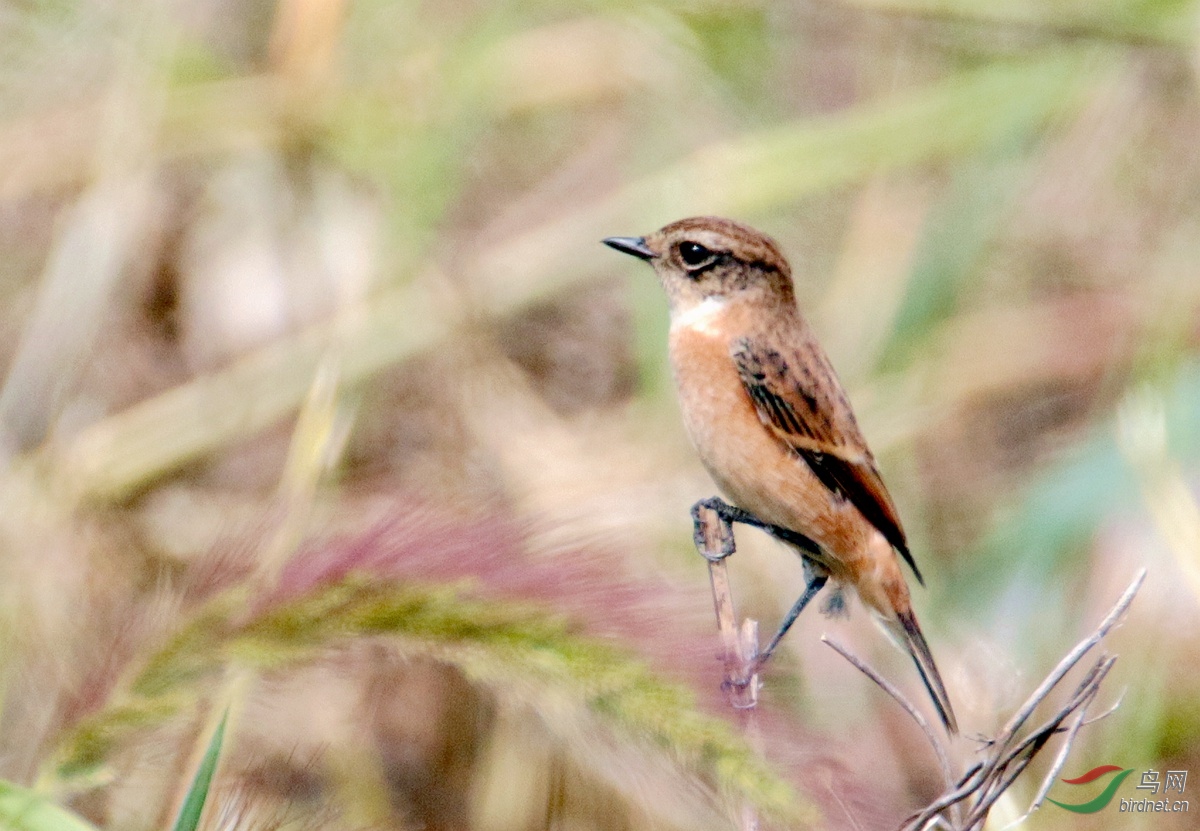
(798, 397)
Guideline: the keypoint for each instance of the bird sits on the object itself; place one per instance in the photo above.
(774, 428)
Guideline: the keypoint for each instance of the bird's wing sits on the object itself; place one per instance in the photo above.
(799, 399)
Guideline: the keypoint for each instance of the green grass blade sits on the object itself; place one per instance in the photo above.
(197, 796)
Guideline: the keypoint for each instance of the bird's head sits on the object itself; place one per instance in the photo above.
(710, 258)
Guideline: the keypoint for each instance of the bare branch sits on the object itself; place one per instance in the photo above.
(889, 688)
(713, 535)
(714, 540)
(1073, 657)
(1009, 755)
(1061, 759)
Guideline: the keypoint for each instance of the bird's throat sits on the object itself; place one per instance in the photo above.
(702, 317)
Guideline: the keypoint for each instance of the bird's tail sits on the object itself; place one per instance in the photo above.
(909, 632)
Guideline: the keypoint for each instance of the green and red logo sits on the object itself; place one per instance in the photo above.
(1104, 797)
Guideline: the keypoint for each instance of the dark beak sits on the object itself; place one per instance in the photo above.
(635, 246)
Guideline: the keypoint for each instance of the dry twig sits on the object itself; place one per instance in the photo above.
(1007, 755)
(714, 540)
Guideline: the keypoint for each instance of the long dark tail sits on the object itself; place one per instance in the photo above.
(910, 632)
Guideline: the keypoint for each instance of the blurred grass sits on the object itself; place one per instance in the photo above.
(957, 237)
(521, 650)
(1032, 391)
(1157, 21)
(25, 810)
(114, 457)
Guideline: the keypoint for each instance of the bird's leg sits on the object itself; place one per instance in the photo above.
(815, 575)
(816, 582)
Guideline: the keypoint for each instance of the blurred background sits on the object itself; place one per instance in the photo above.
(321, 398)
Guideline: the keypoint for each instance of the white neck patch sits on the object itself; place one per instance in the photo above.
(700, 317)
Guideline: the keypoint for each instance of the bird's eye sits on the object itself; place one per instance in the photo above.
(693, 253)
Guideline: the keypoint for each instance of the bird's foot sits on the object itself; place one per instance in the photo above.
(714, 543)
(731, 514)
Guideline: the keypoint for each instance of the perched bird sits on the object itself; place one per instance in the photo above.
(773, 426)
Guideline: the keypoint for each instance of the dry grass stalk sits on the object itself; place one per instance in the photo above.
(714, 541)
(1008, 754)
